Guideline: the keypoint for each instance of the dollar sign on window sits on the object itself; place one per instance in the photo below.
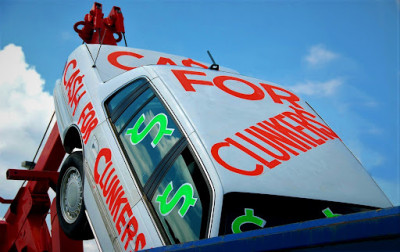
(185, 191)
(329, 214)
(248, 217)
(160, 119)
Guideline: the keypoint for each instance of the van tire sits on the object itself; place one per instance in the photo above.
(69, 199)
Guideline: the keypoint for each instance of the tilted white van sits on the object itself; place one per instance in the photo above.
(163, 150)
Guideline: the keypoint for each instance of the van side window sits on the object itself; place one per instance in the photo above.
(182, 200)
(176, 188)
(143, 127)
(121, 95)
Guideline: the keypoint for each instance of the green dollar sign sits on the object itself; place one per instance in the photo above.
(248, 217)
(185, 191)
(160, 119)
(329, 214)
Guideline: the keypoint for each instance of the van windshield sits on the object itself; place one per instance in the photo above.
(244, 211)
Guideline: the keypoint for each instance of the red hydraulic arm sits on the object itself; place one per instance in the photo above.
(24, 227)
(99, 30)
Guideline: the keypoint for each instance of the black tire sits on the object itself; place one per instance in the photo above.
(69, 199)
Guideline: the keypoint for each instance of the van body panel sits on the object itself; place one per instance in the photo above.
(245, 136)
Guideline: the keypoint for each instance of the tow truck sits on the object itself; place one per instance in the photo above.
(164, 150)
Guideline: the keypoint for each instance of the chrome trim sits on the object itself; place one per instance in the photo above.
(213, 194)
(102, 209)
(93, 231)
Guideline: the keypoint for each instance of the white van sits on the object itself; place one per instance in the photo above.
(164, 150)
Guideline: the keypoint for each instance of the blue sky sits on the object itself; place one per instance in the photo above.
(341, 56)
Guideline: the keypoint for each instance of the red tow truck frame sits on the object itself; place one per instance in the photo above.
(24, 226)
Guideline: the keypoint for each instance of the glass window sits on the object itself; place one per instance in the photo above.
(246, 211)
(144, 128)
(123, 94)
(132, 109)
(148, 137)
(181, 200)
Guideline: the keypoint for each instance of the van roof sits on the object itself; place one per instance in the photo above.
(112, 61)
(262, 138)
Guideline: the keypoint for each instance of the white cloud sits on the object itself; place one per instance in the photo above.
(319, 55)
(374, 130)
(370, 158)
(326, 88)
(25, 109)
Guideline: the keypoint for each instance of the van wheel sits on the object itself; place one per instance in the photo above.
(69, 199)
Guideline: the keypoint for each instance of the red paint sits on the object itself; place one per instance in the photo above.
(301, 129)
(286, 134)
(187, 83)
(307, 120)
(191, 63)
(114, 192)
(257, 94)
(277, 98)
(274, 139)
(108, 185)
(140, 242)
(279, 138)
(115, 199)
(101, 183)
(215, 153)
(89, 121)
(283, 155)
(270, 165)
(165, 61)
(277, 94)
(277, 123)
(113, 59)
(73, 86)
(121, 221)
(115, 205)
(73, 63)
(129, 232)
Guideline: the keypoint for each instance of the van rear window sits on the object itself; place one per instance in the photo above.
(244, 211)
